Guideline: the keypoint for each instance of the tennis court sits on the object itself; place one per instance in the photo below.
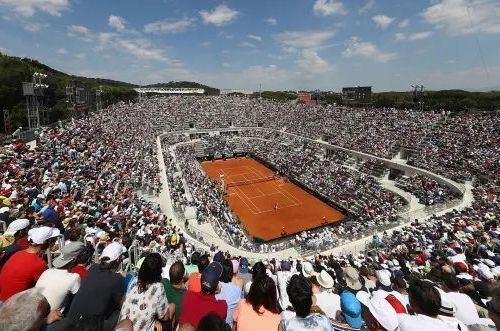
(267, 205)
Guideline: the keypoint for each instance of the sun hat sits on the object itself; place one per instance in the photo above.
(6, 240)
(448, 308)
(113, 251)
(324, 279)
(380, 308)
(352, 278)
(41, 234)
(308, 269)
(210, 276)
(68, 253)
(351, 308)
(17, 225)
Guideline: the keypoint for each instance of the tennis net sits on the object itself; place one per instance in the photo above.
(251, 181)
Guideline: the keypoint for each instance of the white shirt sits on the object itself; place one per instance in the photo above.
(56, 284)
(329, 303)
(421, 322)
(466, 310)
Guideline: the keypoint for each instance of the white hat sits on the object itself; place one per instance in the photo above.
(4, 210)
(42, 234)
(384, 277)
(307, 269)
(17, 225)
(381, 310)
(113, 251)
(324, 279)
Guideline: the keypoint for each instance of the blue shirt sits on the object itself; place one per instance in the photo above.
(231, 293)
(314, 322)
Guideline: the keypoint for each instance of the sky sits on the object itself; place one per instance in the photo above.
(280, 44)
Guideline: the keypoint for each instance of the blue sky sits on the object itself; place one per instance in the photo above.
(282, 44)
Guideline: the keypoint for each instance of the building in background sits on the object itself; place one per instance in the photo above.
(357, 96)
(306, 98)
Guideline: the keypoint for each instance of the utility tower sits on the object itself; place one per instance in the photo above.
(98, 99)
(34, 93)
(418, 95)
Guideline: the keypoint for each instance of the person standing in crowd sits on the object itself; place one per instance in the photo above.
(102, 290)
(175, 287)
(244, 271)
(56, 283)
(23, 269)
(300, 293)
(196, 305)
(259, 311)
(229, 292)
(145, 303)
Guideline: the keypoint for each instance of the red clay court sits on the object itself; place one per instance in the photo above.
(254, 201)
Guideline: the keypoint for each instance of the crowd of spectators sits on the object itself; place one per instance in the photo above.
(75, 205)
(427, 190)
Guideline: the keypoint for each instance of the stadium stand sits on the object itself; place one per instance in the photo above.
(86, 246)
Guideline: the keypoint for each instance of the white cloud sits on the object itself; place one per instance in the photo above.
(141, 49)
(80, 56)
(219, 16)
(311, 63)
(169, 25)
(28, 8)
(80, 32)
(304, 39)
(247, 44)
(271, 20)
(413, 36)
(383, 21)
(328, 8)
(462, 17)
(366, 7)
(254, 37)
(452, 61)
(33, 27)
(404, 23)
(117, 23)
(62, 51)
(226, 65)
(355, 47)
(207, 43)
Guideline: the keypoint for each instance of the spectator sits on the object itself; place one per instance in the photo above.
(229, 292)
(57, 284)
(466, 310)
(175, 287)
(259, 311)
(494, 310)
(24, 268)
(145, 302)
(19, 229)
(300, 293)
(194, 282)
(326, 300)
(82, 262)
(196, 305)
(213, 322)
(377, 313)
(102, 290)
(26, 311)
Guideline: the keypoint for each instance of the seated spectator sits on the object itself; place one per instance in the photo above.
(24, 268)
(194, 281)
(259, 311)
(26, 311)
(213, 322)
(300, 293)
(466, 310)
(57, 284)
(82, 262)
(175, 287)
(425, 302)
(244, 271)
(19, 229)
(229, 292)
(326, 300)
(196, 305)
(377, 312)
(192, 267)
(145, 302)
(101, 291)
(349, 317)
(494, 310)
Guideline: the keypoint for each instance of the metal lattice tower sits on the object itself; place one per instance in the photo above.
(418, 95)
(7, 121)
(34, 93)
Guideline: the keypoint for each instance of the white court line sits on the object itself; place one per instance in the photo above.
(243, 200)
(255, 187)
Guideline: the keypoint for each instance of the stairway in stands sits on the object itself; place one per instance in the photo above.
(199, 149)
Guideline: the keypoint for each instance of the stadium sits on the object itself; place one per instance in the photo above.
(179, 206)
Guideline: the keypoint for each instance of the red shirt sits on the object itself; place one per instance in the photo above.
(194, 282)
(20, 273)
(23, 242)
(80, 270)
(198, 305)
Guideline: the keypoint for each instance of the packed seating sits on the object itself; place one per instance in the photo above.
(86, 248)
(427, 190)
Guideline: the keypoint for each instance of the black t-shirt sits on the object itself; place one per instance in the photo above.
(100, 294)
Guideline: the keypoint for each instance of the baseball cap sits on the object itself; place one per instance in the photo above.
(286, 265)
(210, 276)
(351, 308)
(380, 308)
(447, 308)
(41, 234)
(17, 225)
(384, 277)
(308, 269)
(68, 253)
(219, 257)
(113, 251)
